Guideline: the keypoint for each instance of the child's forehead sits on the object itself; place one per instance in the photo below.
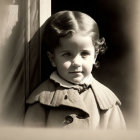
(74, 49)
(76, 43)
(77, 39)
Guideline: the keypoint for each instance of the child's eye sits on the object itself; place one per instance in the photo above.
(66, 54)
(85, 53)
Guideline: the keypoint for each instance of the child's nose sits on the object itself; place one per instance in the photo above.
(76, 61)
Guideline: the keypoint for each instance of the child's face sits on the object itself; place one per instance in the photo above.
(75, 58)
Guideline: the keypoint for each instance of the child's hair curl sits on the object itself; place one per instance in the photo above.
(66, 23)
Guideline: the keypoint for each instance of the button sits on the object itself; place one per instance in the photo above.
(65, 97)
(68, 119)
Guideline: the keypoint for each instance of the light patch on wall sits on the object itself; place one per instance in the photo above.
(9, 18)
(45, 10)
(11, 62)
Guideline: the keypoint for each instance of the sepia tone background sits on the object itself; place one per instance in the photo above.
(23, 63)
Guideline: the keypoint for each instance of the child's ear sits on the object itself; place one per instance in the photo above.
(51, 58)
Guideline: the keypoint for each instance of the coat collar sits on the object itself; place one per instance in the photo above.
(52, 94)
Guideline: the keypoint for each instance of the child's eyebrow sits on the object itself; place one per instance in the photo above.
(85, 49)
(63, 51)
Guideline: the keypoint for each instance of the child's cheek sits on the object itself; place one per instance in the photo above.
(67, 65)
(88, 66)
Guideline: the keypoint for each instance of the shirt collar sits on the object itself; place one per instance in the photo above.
(55, 77)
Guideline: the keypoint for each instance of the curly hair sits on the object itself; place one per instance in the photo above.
(66, 23)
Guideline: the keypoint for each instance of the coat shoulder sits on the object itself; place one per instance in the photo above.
(105, 97)
(47, 86)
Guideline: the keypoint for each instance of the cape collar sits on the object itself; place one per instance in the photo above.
(51, 94)
(54, 95)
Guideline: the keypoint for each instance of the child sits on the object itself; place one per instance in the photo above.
(71, 97)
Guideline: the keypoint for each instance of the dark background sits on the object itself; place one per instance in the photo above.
(116, 69)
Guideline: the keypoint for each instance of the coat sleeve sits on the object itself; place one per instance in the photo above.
(112, 119)
(36, 116)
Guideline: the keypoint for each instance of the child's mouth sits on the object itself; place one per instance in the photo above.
(76, 72)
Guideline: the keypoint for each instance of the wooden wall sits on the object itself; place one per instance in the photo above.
(12, 66)
(20, 55)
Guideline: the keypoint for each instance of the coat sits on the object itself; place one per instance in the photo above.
(53, 106)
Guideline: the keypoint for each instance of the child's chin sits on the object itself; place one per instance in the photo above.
(76, 81)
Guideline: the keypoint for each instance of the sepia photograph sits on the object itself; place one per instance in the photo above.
(69, 69)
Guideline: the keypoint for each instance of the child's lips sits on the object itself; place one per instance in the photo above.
(76, 72)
